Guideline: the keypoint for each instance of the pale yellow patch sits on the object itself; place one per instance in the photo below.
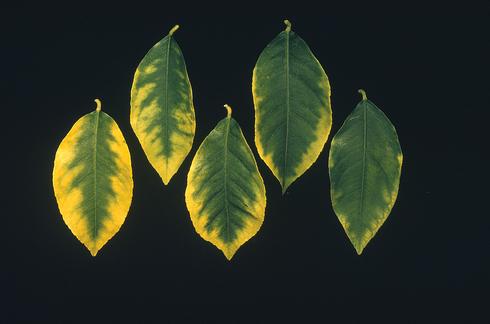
(150, 69)
(70, 198)
(138, 95)
(74, 219)
(180, 74)
(343, 221)
(63, 180)
(399, 157)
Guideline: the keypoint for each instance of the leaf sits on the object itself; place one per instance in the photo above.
(93, 180)
(225, 193)
(365, 166)
(293, 114)
(162, 111)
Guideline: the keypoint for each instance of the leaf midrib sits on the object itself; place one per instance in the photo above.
(225, 189)
(165, 107)
(364, 149)
(97, 114)
(287, 111)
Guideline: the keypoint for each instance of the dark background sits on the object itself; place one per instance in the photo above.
(427, 68)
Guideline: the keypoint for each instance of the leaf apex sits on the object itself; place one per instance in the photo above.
(164, 175)
(284, 186)
(359, 246)
(288, 25)
(93, 251)
(229, 254)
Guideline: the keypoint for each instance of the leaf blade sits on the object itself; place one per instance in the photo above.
(293, 115)
(92, 179)
(225, 193)
(162, 109)
(365, 167)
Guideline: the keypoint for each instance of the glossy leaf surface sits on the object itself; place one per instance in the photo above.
(162, 110)
(92, 179)
(365, 166)
(293, 114)
(225, 193)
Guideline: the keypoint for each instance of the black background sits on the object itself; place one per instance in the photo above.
(427, 68)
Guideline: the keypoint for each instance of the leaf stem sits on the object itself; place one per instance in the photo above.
(363, 94)
(288, 25)
(99, 105)
(228, 110)
(173, 30)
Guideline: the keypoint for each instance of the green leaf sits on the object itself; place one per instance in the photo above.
(93, 180)
(225, 193)
(162, 110)
(293, 114)
(365, 165)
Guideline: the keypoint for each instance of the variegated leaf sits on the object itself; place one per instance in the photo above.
(225, 193)
(162, 110)
(293, 116)
(92, 179)
(365, 167)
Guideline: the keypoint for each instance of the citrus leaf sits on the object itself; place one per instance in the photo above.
(365, 165)
(162, 110)
(92, 179)
(293, 114)
(225, 193)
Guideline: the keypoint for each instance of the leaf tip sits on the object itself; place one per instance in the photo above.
(363, 94)
(99, 104)
(93, 251)
(285, 183)
(284, 189)
(173, 30)
(359, 246)
(228, 110)
(229, 253)
(165, 180)
(288, 25)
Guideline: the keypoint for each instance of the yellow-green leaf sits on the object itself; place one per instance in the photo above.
(293, 114)
(225, 193)
(92, 179)
(162, 110)
(365, 166)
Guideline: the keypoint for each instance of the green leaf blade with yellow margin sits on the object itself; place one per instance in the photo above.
(225, 193)
(92, 179)
(162, 110)
(293, 115)
(365, 166)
